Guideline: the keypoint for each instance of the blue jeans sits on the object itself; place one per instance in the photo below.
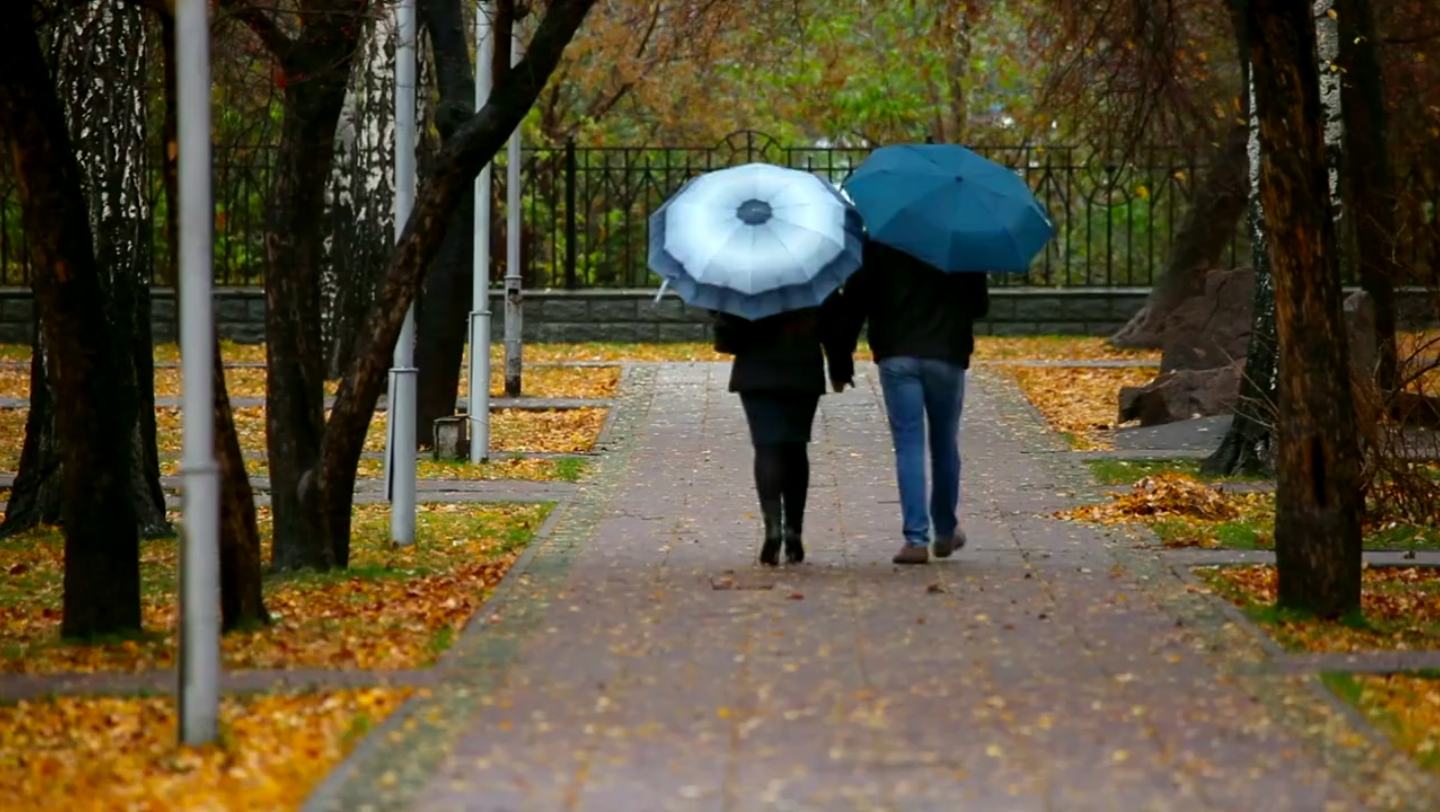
(921, 391)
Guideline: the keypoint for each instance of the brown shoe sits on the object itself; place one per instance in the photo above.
(912, 554)
(944, 547)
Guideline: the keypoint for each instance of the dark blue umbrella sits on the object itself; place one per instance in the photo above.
(950, 207)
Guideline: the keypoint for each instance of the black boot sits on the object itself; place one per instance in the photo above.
(795, 485)
(774, 533)
(794, 547)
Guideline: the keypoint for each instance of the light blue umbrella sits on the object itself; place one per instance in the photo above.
(950, 207)
(756, 240)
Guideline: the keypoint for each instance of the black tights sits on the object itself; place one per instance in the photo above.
(782, 479)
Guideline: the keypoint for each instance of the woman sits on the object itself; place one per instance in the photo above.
(779, 372)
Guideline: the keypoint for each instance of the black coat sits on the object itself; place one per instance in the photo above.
(788, 352)
(914, 309)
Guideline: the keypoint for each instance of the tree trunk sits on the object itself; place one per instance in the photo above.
(1371, 174)
(1327, 48)
(443, 312)
(242, 600)
(362, 194)
(99, 72)
(37, 496)
(1317, 522)
(1248, 446)
(316, 71)
(242, 597)
(91, 376)
(452, 175)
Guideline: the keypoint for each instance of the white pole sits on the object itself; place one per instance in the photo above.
(513, 294)
(199, 688)
(401, 422)
(478, 400)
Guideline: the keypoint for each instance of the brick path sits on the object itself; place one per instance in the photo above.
(641, 661)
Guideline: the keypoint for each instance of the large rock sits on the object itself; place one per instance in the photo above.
(1206, 340)
(1360, 326)
(1182, 395)
(1212, 329)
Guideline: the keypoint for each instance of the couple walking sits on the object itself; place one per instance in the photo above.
(921, 332)
(794, 267)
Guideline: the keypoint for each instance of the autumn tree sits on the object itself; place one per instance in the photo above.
(99, 52)
(314, 462)
(312, 52)
(90, 376)
(1317, 525)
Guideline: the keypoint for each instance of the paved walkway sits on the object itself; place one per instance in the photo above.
(641, 661)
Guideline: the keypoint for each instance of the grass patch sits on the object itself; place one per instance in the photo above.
(386, 611)
(571, 469)
(120, 752)
(1125, 472)
(1405, 707)
(1400, 610)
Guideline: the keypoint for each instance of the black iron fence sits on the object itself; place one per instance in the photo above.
(586, 210)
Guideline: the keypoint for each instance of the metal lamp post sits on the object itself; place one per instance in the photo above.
(478, 398)
(400, 434)
(199, 677)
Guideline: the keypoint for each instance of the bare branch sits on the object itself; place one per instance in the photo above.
(261, 20)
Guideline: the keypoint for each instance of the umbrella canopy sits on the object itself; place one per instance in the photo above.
(756, 240)
(950, 207)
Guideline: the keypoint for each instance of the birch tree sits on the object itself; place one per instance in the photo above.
(99, 53)
(360, 197)
(91, 377)
(1248, 445)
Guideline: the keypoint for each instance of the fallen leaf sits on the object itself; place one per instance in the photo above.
(396, 607)
(102, 753)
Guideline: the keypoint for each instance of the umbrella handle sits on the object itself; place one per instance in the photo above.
(660, 293)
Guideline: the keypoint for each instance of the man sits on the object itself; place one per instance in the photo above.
(922, 333)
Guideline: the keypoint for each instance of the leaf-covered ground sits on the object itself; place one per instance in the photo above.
(986, 348)
(1083, 405)
(1400, 608)
(393, 608)
(1184, 511)
(1055, 348)
(562, 431)
(247, 382)
(97, 754)
(1405, 707)
(1127, 472)
(499, 467)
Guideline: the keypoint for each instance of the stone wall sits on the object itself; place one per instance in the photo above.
(633, 315)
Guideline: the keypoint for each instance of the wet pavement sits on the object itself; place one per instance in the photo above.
(649, 664)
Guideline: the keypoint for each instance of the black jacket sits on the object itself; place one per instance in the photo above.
(787, 352)
(914, 309)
